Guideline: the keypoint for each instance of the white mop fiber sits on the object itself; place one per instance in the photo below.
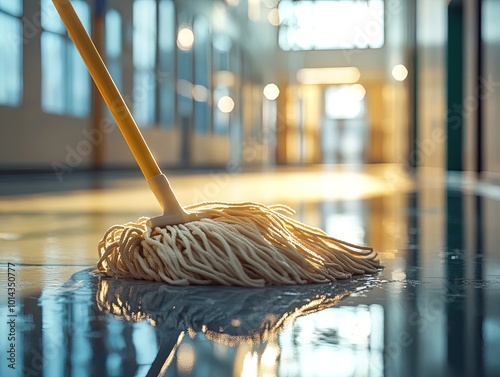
(245, 244)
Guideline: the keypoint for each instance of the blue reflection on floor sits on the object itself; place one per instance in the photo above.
(97, 326)
(433, 311)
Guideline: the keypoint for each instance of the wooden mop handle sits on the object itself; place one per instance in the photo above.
(108, 89)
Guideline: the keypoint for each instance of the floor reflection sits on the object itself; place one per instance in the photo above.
(432, 311)
(96, 326)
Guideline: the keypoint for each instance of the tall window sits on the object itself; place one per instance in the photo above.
(224, 80)
(114, 46)
(154, 33)
(65, 80)
(166, 43)
(202, 69)
(185, 40)
(331, 24)
(11, 44)
(144, 58)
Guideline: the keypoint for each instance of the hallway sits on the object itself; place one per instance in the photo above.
(375, 120)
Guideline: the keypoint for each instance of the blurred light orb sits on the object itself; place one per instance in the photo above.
(232, 3)
(200, 93)
(185, 38)
(225, 104)
(274, 17)
(399, 72)
(271, 91)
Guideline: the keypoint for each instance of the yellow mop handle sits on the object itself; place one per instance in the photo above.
(108, 89)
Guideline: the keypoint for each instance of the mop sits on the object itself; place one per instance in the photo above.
(211, 243)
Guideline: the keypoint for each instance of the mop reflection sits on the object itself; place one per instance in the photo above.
(249, 319)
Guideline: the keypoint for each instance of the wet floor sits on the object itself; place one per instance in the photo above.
(434, 310)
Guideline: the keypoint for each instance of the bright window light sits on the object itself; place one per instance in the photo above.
(331, 24)
(344, 101)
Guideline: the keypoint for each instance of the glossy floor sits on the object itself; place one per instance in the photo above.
(433, 311)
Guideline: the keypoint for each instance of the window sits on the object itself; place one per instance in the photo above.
(114, 46)
(114, 49)
(331, 24)
(154, 34)
(344, 101)
(65, 79)
(202, 69)
(11, 45)
(166, 63)
(224, 80)
(185, 40)
(144, 58)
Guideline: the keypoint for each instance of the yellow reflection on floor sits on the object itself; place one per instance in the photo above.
(287, 186)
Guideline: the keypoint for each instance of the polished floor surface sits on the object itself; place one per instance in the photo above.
(434, 310)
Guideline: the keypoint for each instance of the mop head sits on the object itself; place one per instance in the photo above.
(245, 244)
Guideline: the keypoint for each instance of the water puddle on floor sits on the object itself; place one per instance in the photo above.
(112, 327)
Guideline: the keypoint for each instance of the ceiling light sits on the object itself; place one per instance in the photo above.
(340, 75)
